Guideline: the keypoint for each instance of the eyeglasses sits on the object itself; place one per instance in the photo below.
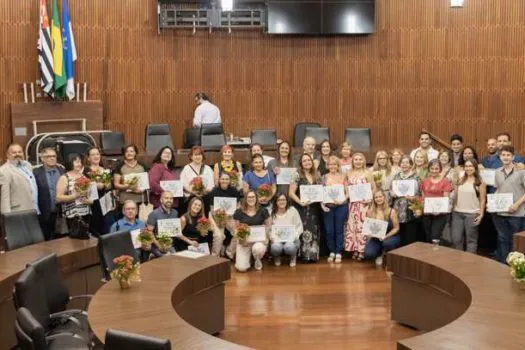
(49, 156)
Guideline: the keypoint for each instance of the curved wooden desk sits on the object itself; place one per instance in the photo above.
(79, 265)
(179, 299)
(464, 300)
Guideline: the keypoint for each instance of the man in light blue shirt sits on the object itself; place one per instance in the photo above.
(129, 222)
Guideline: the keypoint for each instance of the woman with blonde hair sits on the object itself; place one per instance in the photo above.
(395, 159)
(354, 240)
(345, 151)
(382, 173)
(421, 164)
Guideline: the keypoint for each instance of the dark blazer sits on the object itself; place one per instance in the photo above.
(44, 200)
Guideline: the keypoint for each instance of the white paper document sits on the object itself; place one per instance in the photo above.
(229, 205)
(311, 193)
(285, 176)
(333, 194)
(404, 188)
(436, 205)
(499, 202)
(488, 176)
(283, 233)
(169, 227)
(173, 186)
(375, 228)
(257, 234)
(360, 192)
(203, 248)
(143, 180)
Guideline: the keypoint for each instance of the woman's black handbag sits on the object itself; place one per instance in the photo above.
(78, 228)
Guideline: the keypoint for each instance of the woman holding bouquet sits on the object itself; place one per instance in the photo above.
(261, 180)
(285, 215)
(72, 192)
(310, 212)
(283, 160)
(251, 214)
(409, 222)
(382, 173)
(162, 169)
(193, 224)
(336, 213)
(130, 165)
(196, 177)
(223, 225)
(230, 166)
(100, 224)
(355, 241)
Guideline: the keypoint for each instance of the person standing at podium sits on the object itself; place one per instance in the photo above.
(206, 112)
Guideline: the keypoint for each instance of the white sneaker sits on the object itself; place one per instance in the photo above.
(331, 258)
(379, 260)
(277, 260)
(258, 264)
(338, 258)
(293, 261)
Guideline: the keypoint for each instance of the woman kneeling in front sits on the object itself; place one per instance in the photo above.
(252, 214)
(375, 247)
(191, 232)
(285, 215)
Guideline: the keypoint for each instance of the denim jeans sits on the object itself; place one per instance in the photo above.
(286, 248)
(506, 226)
(374, 247)
(334, 224)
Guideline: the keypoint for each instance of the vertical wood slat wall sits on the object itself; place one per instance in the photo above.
(428, 66)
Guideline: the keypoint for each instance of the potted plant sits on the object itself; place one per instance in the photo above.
(417, 205)
(263, 192)
(203, 226)
(165, 242)
(243, 232)
(145, 238)
(220, 217)
(82, 185)
(197, 185)
(516, 261)
(125, 271)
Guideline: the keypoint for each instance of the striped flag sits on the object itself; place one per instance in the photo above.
(58, 53)
(45, 56)
(70, 51)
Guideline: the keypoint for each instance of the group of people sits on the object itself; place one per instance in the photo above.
(320, 229)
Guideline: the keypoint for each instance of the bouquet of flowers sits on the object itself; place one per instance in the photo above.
(203, 226)
(516, 261)
(234, 177)
(417, 205)
(378, 178)
(165, 243)
(220, 217)
(82, 185)
(197, 185)
(145, 238)
(243, 231)
(101, 176)
(263, 191)
(125, 271)
(132, 182)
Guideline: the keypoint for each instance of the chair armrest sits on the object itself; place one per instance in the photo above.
(68, 335)
(81, 296)
(59, 316)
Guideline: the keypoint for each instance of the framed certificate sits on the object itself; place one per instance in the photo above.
(346, 168)
(203, 248)
(107, 203)
(499, 202)
(360, 192)
(311, 193)
(283, 233)
(334, 193)
(134, 238)
(229, 205)
(169, 227)
(142, 180)
(488, 176)
(285, 176)
(257, 234)
(173, 186)
(436, 205)
(375, 228)
(404, 188)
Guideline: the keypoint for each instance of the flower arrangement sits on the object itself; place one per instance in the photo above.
(243, 231)
(125, 271)
(132, 182)
(234, 177)
(378, 178)
(203, 226)
(197, 185)
(101, 176)
(82, 185)
(165, 243)
(220, 217)
(516, 261)
(263, 191)
(145, 238)
(417, 205)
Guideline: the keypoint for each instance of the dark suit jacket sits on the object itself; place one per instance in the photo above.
(44, 200)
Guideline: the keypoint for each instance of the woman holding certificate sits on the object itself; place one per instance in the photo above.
(162, 169)
(194, 231)
(228, 165)
(196, 177)
(436, 190)
(287, 227)
(382, 173)
(307, 204)
(382, 228)
(130, 165)
(405, 187)
(335, 208)
(255, 244)
(361, 186)
(395, 159)
(468, 208)
(260, 180)
(283, 161)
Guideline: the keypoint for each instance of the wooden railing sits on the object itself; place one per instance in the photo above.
(440, 141)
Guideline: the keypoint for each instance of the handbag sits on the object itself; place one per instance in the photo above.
(145, 208)
(78, 228)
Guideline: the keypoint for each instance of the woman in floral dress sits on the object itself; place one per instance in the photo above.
(354, 240)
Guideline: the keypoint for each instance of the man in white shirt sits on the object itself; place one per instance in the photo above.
(425, 144)
(206, 112)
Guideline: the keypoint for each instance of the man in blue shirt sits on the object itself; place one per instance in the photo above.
(493, 161)
(129, 222)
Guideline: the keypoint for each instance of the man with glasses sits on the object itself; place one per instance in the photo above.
(46, 177)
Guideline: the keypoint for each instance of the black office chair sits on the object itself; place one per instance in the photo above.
(191, 137)
(57, 293)
(319, 134)
(32, 336)
(113, 245)
(212, 137)
(157, 136)
(300, 131)
(359, 138)
(118, 340)
(267, 138)
(21, 228)
(112, 143)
